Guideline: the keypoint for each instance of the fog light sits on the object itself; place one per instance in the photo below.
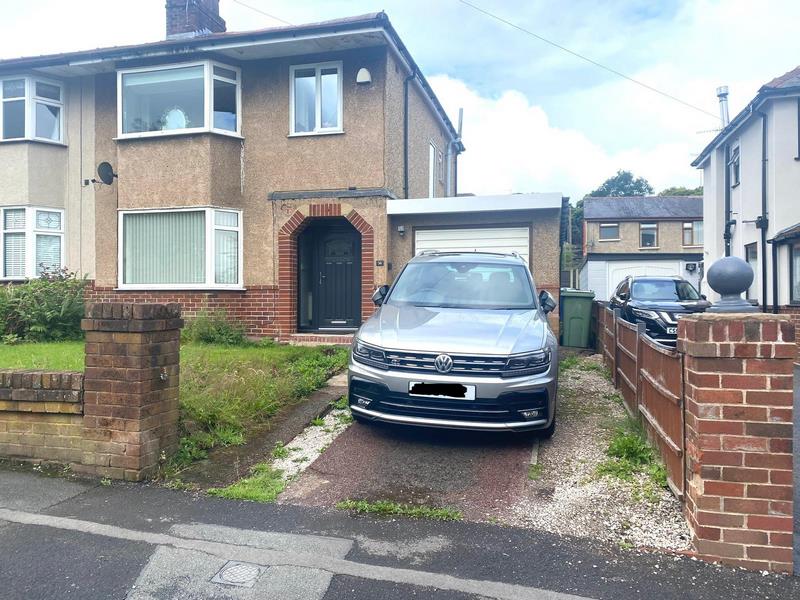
(531, 414)
(363, 402)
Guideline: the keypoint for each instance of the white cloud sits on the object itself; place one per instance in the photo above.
(513, 147)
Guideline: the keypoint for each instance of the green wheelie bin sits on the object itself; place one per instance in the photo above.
(576, 317)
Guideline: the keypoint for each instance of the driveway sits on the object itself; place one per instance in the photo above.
(479, 474)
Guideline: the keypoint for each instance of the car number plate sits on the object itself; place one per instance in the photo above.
(456, 391)
(672, 330)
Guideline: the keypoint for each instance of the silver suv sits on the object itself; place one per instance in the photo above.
(461, 341)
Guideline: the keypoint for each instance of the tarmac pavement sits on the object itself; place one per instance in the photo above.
(68, 539)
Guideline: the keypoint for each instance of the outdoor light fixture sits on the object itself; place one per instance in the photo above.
(401, 229)
(363, 76)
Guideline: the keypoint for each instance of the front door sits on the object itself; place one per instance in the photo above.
(333, 276)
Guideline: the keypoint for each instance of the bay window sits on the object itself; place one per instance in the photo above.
(180, 249)
(315, 98)
(32, 109)
(32, 241)
(185, 98)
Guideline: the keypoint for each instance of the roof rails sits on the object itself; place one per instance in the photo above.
(446, 252)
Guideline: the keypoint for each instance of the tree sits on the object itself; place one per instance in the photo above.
(623, 184)
(682, 191)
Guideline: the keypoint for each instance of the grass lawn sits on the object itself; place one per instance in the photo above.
(225, 390)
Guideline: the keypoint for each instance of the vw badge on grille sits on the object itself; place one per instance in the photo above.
(443, 363)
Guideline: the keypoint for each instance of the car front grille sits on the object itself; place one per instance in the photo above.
(423, 362)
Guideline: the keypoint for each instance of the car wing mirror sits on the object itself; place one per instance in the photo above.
(623, 295)
(703, 297)
(547, 302)
(380, 295)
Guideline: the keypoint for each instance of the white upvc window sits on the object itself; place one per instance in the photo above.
(194, 97)
(181, 248)
(31, 240)
(609, 232)
(31, 108)
(435, 168)
(315, 99)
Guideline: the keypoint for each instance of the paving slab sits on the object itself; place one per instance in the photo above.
(479, 474)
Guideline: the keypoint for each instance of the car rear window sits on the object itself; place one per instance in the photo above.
(464, 285)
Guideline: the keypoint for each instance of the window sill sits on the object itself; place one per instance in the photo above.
(692, 246)
(149, 135)
(34, 141)
(611, 240)
(180, 288)
(649, 247)
(313, 133)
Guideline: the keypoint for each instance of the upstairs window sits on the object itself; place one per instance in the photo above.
(32, 241)
(609, 231)
(185, 98)
(181, 249)
(693, 233)
(316, 98)
(734, 166)
(32, 109)
(648, 235)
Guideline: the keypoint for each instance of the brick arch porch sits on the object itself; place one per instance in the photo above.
(286, 313)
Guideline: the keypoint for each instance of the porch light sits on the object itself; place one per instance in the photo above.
(363, 76)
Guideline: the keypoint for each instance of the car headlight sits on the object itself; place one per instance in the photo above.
(644, 314)
(530, 363)
(369, 355)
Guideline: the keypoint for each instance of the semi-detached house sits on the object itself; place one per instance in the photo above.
(279, 174)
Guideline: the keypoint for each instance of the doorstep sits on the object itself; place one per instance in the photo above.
(318, 339)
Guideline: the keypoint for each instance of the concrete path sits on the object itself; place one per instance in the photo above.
(64, 539)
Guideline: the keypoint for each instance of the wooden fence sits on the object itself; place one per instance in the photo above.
(649, 377)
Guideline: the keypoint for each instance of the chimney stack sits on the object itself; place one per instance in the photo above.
(190, 18)
(722, 94)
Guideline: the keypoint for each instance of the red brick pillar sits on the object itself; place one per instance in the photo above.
(739, 393)
(130, 388)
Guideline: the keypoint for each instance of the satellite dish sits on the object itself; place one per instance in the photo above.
(106, 173)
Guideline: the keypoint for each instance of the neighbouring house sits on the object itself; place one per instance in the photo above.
(751, 191)
(279, 175)
(640, 235)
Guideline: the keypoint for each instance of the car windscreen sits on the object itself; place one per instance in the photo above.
(666, 289)
(458, 284)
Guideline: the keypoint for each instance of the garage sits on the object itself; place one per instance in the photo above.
(481, 239)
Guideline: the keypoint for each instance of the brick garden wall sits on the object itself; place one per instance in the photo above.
(119, 418)
(40, 415)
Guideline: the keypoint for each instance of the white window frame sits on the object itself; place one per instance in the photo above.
(433, 177)
(31, 100)
(210, 250)
(318, 67)
(600, 237)
(208, 100)
(31, 233)
(649, 226)
(689, 226)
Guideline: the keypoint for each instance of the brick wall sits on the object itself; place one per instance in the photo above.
(119, 418)
(255, 307)
(739, 427)
(40, 415)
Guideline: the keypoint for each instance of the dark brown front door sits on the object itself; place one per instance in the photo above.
(334, 275)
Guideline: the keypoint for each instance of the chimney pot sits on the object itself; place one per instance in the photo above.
(722, 94)
(190, 18)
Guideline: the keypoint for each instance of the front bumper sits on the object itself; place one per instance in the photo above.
(379, 395)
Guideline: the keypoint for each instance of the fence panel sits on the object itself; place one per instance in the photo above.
(609, 339)
(627, 368)
(661, 406)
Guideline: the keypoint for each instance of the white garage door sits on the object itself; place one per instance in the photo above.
(486, 239)
(618, 270)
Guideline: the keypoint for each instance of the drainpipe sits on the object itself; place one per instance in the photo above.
(452, 158)
(728, 223)
(406, 83)
(762, 222)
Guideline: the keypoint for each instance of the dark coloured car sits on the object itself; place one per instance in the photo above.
(658, 302)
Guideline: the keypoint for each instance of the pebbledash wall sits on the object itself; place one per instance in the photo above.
(735, 418)
(119, 418)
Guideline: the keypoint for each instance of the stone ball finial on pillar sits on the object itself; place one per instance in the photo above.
(730, 277)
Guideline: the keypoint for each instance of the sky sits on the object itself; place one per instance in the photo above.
(536, 118)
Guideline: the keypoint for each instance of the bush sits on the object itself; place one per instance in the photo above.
(215, 328)
(49, 308)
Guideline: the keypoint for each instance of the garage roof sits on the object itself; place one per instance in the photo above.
(644, 207)
(462, 204)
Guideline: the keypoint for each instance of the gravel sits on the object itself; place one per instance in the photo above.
(568, 497)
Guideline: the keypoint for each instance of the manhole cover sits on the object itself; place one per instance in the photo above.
(238, 574)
